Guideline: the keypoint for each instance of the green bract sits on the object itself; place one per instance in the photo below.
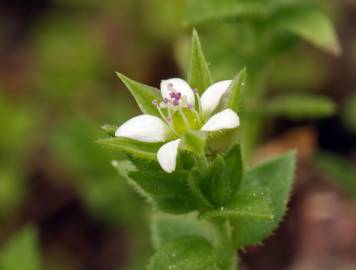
(207, 205)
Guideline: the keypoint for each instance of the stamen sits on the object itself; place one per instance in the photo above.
(175, 102)
(170, 114)
(155, 102)
(170, 121)
(185, 119)
(166, 119)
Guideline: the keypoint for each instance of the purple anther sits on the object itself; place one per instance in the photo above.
(165, 100)
(178, 95)
(155, 102)
(172, 95)
(175, 102)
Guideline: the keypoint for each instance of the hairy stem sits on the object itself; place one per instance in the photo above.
(226, 252)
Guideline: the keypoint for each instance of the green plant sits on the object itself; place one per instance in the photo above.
(184, 157)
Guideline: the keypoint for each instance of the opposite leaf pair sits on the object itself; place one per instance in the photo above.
(193, 242)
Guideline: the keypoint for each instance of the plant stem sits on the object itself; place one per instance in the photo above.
(226, 252)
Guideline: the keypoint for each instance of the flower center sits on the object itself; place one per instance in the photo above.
(176, 100)
(178, 114)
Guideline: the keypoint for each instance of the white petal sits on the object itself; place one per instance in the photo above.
(212, 96)
(167, 155)
(226, 119)
(144, 128)
(180, 86)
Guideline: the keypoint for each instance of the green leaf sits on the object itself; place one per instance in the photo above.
(166, 227)
(21, 252)
(299, 106)
(136, 148)
(275, 175)
(143, 94)
(124, 167)
(168, 192)
(339, 170)
(193, 253)
(250, 202)
(310, 23)
(199, 76)
(235, 89)
(207, 10)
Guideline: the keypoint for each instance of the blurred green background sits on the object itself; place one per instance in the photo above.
(63, 206)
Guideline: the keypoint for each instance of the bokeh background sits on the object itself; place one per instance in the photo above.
(63, 206)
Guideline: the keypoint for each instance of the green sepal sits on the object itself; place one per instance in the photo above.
(225, 175)
(109, 129)
(276, 176)
(189, 252)
(199, 76)
(235, 89)
(143, 94)
(194, 141)
(217, 184)
(136, 148)
(196, 179)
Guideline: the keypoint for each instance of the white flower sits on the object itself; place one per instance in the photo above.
(181, 110)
